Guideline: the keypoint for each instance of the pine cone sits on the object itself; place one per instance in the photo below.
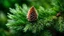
(32, 15)
(58, 14)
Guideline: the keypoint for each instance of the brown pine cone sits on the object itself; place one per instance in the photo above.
(32, 15)
(58, 14)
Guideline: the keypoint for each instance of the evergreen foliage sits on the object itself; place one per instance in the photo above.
(46, 18)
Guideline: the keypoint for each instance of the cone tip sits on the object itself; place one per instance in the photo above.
(32, 7)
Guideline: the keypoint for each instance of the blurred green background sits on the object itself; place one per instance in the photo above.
(4, 9)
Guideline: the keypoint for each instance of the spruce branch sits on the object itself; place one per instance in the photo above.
(19, 20)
